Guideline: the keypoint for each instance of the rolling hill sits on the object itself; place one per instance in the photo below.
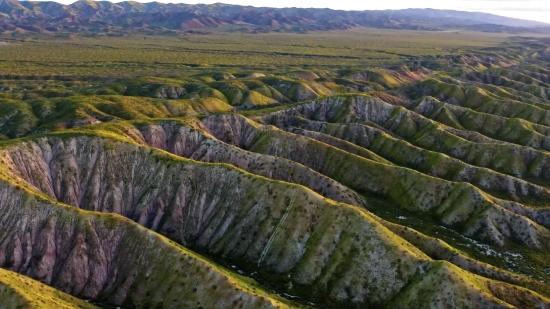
(348, 169)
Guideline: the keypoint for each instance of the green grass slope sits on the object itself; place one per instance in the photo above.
(17, 291)
(43, 115)
(405, 187)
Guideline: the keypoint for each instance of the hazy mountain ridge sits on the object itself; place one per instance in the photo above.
(94, 16)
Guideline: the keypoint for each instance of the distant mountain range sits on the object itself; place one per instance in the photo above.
(97, 16)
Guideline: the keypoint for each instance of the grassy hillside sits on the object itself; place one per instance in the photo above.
(17, 291)
(182, 55)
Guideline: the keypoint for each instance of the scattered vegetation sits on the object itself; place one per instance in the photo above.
(348, 168)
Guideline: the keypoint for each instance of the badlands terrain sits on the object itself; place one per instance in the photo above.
(216, 168)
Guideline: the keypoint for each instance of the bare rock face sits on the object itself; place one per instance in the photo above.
(232, 129)
(109, 259)
(170, 92)
(197, 144)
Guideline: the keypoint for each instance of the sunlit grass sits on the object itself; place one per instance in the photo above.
(34, 54)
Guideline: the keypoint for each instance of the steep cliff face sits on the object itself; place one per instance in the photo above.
(110, 259)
